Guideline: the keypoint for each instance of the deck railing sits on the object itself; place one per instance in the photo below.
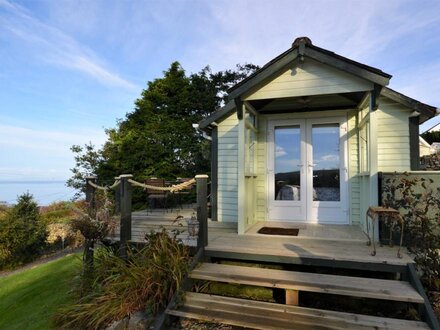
(123, 187)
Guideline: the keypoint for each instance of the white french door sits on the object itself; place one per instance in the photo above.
(307, 170)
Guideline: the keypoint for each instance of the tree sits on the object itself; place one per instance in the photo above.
(157, 138)
(431, 137)
(87, 162)
(22, 233)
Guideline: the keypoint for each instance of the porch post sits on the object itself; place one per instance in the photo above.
(202, 210)
(241, 201)
(90, 192)
(125, 209)
(374, 182)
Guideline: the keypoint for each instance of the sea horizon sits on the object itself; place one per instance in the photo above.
(44, 192)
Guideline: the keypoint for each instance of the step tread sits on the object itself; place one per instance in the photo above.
(263, 315)
(311, 282)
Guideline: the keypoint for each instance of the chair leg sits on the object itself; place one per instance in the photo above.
(368, 229)
(374, 244)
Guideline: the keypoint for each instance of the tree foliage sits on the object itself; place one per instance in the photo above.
(418, 200)
(431, 137)
(157, 138)
(22, 233)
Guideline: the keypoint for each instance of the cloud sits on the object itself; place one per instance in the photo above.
(36, 154)
(55, 142)
(280, 152)
(330, 158)
(54, 46)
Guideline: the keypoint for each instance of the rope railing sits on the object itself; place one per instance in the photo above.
(172, 188)
(105, 188)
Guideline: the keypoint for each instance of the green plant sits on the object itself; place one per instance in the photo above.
(146, 281)
(418, 199)
(94, 224)
(22, 233)
(29, 297)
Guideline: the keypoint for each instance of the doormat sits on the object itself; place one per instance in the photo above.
(278, 231)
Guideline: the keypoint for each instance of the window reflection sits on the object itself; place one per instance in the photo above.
(326, 162)
(287, 163)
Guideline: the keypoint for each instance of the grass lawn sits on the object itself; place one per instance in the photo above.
(29, 298)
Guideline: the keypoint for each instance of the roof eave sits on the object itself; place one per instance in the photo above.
(319, 54)
(217, 116)
(426, 111)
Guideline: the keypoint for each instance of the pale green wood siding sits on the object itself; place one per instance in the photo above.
(353, 168)
(393, 136)
(309, 78)
(227, 194)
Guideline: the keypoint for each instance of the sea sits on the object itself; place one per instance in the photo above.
(44, 192)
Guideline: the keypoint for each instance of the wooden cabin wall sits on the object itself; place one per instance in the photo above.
(227, 193)
(393, 137)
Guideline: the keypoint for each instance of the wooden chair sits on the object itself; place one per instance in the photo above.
(156, 195)
(376, 213)
(178, 194)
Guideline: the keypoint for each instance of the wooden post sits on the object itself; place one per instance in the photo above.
(90, 192)
(89, 244)
(292, 297)
(202, 210)
(117, 198)
(125, 209)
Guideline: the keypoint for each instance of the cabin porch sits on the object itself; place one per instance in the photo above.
(315, 243)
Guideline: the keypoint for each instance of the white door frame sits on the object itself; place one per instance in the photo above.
(307, 210)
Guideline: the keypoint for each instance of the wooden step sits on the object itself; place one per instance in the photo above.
(311, 282)
(263, 315)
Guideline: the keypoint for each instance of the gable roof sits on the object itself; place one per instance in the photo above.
(426, 111)
(303, 47)
(434, 128)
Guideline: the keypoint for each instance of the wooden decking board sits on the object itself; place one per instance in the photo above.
(314, 249)
(263, 315)
(322, 283)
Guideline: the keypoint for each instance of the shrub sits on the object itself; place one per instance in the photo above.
(22, 233)
(59, 212)
(146, 281)
(418, 199)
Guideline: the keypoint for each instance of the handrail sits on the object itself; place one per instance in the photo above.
(426, 311)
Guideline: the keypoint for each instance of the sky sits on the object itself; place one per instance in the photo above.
(71, 68)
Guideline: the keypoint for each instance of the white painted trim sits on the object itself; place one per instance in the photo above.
(305, 121)
(241, 201)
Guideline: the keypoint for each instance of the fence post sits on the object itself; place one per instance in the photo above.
(89, 244)
(202, 210)
(125, 209)
(90, 192)
(117, 198)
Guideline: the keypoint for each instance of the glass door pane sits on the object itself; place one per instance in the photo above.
(287, 163)
(326, 162)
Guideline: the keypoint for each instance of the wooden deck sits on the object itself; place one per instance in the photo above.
(324, 243)
(297, 250)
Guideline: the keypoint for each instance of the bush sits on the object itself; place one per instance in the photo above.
(418, 199)
(146, 281)
(22, 233)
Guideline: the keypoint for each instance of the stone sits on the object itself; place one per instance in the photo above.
(119, 325)
(139, 321)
